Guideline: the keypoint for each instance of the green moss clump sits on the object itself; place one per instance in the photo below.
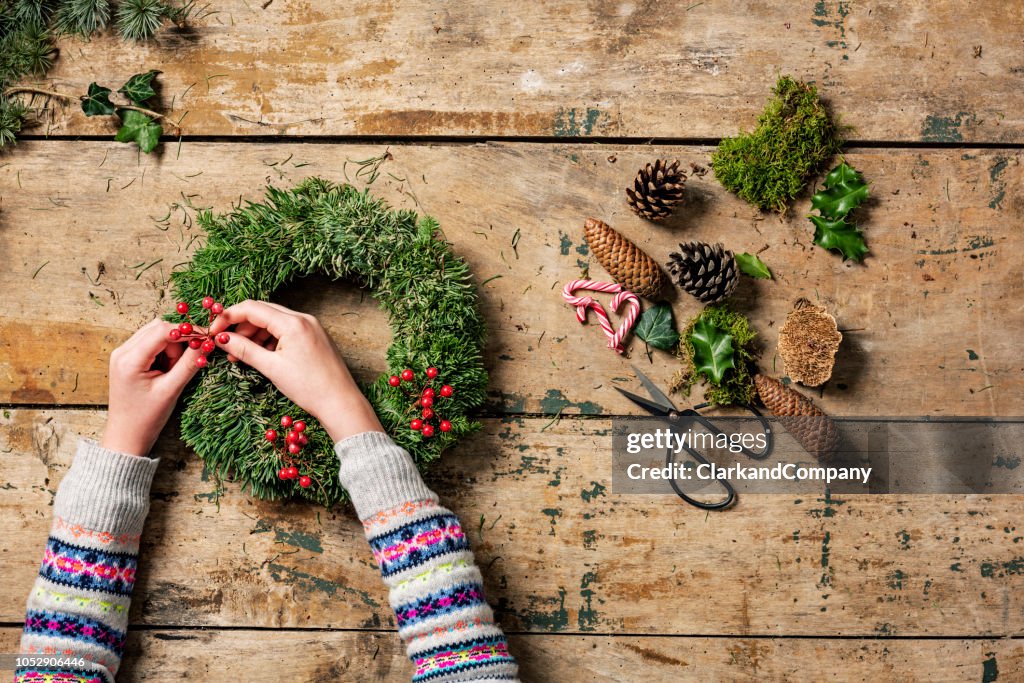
(737, 385)
(793, 138)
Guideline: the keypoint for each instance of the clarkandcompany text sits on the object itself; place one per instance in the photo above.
(778, 472)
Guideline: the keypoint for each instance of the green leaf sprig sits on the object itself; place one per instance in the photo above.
(751, 265)
(844, 191)
(657, 327)
(138, 124)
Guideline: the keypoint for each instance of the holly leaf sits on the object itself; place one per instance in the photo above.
(838, 235)
(138, 128)
(658, 328)
(753, 266)
(844, 191)
(712, 350)
(139, 87)
(97, 101)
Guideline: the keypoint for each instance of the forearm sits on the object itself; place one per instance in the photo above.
(78, 607)
(436, 589)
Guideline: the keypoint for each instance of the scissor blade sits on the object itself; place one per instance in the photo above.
(650, 406)
(652, 389)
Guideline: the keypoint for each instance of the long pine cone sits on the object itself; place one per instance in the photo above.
(628, 265)
(808, 424)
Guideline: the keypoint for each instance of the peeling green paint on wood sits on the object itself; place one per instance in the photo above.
(596, 489)
(577, 122)
(827, 571)
(896, 579)
(543, 614)
(989, 669)
(554, 514)
(1014, 567)
(587, 619)
(297, 539)
(554, 401)
(1010, 463)
(945, 128)
(309, 583)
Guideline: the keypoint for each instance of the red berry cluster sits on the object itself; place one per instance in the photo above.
(294, 440)
(196, 336)
(424, 405)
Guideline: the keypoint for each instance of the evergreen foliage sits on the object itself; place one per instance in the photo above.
(794, 137)
(338, 231)
(28, 27)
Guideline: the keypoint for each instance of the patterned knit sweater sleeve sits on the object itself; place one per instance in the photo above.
(436, 589)
(78, 607)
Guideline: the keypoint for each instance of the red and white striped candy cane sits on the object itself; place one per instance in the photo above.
(585, 303)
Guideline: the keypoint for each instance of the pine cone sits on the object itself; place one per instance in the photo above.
(707, 272)
(808, 342)
(625, 262)
(808, 424)
(657, 189)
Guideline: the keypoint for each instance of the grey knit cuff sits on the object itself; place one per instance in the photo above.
(105, 490)
(378, 473)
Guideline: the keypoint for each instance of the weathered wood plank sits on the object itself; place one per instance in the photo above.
(775, 565)
(259, 656)
(892, 70)
(930, 321)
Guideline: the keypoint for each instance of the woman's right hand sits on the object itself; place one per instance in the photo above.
(293, 351)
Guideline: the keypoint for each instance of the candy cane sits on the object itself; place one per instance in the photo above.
(584, 303)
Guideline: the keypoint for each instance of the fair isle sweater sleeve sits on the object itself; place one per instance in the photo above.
(436, 589)
(78, 607)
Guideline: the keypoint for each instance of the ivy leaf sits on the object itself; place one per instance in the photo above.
(841, 236)
(844, 191)
(658, 328)
(138, 128)
(753, 266)
(139, 88)
(97, 101)
(712, 350)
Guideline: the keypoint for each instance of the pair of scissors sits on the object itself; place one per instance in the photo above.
(662, 406)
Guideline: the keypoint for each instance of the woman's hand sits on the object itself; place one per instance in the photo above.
(293, 351)
(147, 374)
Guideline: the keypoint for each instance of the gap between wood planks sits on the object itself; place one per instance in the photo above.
(848, 146)
(157, 628)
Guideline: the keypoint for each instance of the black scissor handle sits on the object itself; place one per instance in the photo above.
(729, 499)
(753, 455)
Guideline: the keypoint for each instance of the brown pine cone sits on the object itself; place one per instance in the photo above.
(808, 424)
(625, 262)
(704, 271)
(657, 189)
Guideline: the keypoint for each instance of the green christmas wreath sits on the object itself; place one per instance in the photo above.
(338, 231)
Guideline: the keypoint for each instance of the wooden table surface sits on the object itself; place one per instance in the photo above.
(507, 119)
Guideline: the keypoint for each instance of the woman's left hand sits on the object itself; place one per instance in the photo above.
(147, 375)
